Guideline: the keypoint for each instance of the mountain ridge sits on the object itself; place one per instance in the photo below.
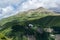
(29, 22)
(30, 14)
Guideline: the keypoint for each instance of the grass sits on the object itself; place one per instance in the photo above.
(37, 18)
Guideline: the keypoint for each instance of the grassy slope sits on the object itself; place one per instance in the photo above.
(36, 17)
(28, 15)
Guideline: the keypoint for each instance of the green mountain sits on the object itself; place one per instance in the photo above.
(28, 15)
(17, 27)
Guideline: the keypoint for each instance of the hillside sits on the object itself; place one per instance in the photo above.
(28, 15)
(27, 24)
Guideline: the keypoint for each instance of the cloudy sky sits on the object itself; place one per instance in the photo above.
(11, 7)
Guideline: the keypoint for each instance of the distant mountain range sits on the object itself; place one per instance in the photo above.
(57, 10)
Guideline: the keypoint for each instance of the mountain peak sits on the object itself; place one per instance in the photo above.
(40, 8)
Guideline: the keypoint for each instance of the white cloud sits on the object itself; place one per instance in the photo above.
(4, 3)
(5, 12)
(7, 9)
(31, 4)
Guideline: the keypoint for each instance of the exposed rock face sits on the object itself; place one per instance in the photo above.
(40, 30)
(31, 37)
(57, 37)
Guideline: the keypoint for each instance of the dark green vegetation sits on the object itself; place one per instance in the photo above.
(17, 27)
